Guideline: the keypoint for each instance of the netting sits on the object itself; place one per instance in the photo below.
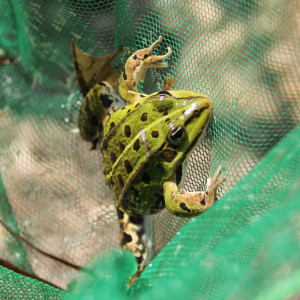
(244, 55)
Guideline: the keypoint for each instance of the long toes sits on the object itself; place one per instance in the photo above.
(219, 181)
(217, 174)
(154, 58)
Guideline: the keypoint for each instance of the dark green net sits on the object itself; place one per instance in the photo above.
(244, 55)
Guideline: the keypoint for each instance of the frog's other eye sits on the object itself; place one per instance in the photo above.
(164, 93)
(176, 134)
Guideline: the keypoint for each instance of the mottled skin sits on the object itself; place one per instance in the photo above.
(139, 159)
(144, 146)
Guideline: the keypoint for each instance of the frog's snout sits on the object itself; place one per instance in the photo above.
(200, 107)
(203, 103)
(198, 115)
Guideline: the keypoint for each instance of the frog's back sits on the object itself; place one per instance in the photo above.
(131, 167)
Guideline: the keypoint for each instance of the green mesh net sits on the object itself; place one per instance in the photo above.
(244, 55)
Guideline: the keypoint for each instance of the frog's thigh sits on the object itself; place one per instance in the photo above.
(186, 204)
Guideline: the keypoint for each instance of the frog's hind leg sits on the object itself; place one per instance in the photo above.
(98, 105)
(136, 236)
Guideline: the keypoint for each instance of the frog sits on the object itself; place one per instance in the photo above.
(145, 141)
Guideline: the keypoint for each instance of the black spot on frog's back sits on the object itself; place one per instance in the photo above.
(146, 178)
(105, 100)
(155, 134)
(113, 157)
(127, 131)
(144, 117)
(136, 145)
(126, 238)
(128, 166)
(122, 147)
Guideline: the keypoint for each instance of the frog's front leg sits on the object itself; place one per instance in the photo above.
(135, 70)
(191, 203)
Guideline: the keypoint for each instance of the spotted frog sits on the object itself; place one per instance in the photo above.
(145, 141)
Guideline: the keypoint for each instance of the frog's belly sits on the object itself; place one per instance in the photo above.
(144, 200)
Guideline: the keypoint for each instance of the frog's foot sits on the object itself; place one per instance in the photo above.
(191, 203)
(134, 277)
(149, 59)
(135, 70)
(168, 84)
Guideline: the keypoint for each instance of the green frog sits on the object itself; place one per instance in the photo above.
(145, 141)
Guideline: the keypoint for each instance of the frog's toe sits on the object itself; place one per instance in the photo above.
(217, 178)
(133, 278)
(215, 182)
(158, 64)
(154, 59)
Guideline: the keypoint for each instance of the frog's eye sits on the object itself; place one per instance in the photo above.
(176, 134)
(164, 94)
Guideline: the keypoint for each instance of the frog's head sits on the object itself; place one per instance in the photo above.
(182, 119)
